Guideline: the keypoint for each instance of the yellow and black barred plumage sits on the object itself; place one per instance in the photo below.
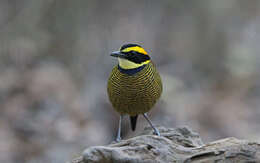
(134, 84)
(134, 94)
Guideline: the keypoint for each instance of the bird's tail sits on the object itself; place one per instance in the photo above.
(133, 120)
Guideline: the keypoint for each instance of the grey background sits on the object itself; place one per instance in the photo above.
(54, 65)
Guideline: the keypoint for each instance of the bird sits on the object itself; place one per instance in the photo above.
(134, 85)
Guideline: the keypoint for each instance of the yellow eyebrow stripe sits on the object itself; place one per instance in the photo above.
(135, 48)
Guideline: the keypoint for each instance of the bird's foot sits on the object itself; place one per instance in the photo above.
(118, 139)
(156, 132)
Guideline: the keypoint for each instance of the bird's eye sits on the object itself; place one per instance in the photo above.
(134, 52)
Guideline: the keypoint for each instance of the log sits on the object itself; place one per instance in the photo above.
(174, 145)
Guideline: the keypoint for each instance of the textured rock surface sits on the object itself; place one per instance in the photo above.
(175, 145)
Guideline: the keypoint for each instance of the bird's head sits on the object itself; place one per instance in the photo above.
(131, 56)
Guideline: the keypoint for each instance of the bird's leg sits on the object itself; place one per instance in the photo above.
(156, 131)
(118, 137)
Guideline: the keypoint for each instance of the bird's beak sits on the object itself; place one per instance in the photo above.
(118, 54)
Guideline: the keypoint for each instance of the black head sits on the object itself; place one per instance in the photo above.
(132, 52)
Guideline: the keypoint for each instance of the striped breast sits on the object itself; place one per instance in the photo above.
(134, 94)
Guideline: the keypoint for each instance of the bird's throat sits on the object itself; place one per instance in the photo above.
(126, 64)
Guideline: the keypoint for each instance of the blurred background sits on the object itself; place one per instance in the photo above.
(54, 65)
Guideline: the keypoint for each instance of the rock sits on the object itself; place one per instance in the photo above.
(174, 145)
